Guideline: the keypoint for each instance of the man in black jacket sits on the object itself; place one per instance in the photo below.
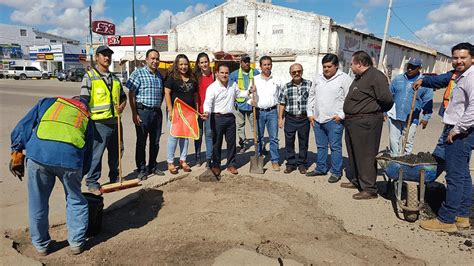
(369, 96)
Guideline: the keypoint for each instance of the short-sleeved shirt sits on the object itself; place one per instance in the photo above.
(295, 97)
(147, 86)
(183, 90)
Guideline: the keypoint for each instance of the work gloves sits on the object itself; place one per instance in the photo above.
(17, 164)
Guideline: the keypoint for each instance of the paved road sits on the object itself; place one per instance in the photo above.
(17, 97)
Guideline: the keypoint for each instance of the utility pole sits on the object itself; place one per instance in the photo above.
(385, 33)
(134, 36)
(91, 48)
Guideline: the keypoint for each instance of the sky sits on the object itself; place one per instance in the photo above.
(436, 23)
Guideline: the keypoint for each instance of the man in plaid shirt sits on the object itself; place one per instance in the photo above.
(293, 105)
(146, 95)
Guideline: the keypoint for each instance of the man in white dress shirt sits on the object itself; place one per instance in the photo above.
(267, 89)
(325, 102)
(219, 107)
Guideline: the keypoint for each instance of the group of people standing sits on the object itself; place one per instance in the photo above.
(67, 137)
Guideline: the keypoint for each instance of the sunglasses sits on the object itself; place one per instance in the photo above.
(410, 66)
(296, 72)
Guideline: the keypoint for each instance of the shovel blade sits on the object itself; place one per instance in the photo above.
(256, 164)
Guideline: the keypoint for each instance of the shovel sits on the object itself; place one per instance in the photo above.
(407, 128)
(256, 161)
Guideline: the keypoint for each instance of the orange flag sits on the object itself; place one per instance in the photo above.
(184, 122)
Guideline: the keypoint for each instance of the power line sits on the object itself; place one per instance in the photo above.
(423, 5)
(406, 26)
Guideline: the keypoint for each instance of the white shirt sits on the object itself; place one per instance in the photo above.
(267, 91)
(326, 97)
(221, 99)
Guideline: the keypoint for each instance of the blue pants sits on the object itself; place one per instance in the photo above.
(329, 133)
(270, 121)
(41, 179)
(204, 129)
(396, 129)
(150, 127)
(458, 178)
(173, 142)
(105, 136)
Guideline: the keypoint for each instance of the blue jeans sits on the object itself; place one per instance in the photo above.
(105, 136)
(458, 178)
(270, 121)
(396, 129)
(329, 133)
(171, 147)
(41, 179)
(204, 129)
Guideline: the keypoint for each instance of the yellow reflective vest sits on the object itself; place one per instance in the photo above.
(102, 101)
(64, 122)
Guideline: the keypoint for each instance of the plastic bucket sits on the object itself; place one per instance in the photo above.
(96, 207)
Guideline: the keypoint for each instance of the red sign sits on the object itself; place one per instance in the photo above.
(113, 40)
(103, 27)
(139, 40)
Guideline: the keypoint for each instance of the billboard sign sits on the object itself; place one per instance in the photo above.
(103, 27)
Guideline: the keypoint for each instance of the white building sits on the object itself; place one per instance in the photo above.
(288, 35)
(19, 43)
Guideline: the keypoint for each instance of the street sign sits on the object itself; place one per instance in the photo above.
(103, 27)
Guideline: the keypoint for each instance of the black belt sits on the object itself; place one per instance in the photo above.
(349, 116)
(304, 114)
(147, 108)
(223, 115)
(267, 109)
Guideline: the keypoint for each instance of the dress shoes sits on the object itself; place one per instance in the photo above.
(289, 169)
(302, 169)
(232, 170)
(216, 170)
(348, 185)
(365, 195)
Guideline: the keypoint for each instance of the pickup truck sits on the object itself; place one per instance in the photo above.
(24, 72)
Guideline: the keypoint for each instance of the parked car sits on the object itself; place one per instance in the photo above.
(75, 74)
(24, 72)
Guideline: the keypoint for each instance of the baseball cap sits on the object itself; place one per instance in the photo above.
(415, 61)
(103, 49)
(244, 57)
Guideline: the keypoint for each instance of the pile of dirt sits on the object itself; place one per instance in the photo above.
(191, 222)
(421, 157)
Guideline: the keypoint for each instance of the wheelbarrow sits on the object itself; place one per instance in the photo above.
(411, 174)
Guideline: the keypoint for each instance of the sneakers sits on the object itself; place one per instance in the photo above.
(77, 250)
(276, 167)
(242, 144)
(437, 225)
(142, 175)
(315, 173)
(462, 223)
(43, 252)
(334, 178)
(95, 191)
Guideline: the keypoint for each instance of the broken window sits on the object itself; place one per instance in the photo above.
(236, 25)
(22, 32)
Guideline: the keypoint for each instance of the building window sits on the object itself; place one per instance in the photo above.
(236, 25)
(38, 37)
(52, 41)
(22, 32)
(69, 42)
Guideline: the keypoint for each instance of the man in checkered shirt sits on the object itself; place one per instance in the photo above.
(293, 105)
(146, 95)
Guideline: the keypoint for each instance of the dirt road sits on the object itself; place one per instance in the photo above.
(255, 219)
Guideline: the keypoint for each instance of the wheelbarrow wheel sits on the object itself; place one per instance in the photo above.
(412, 202)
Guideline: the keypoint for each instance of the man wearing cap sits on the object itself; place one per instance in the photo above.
(243, 77)
(103, 93)
(401, 88)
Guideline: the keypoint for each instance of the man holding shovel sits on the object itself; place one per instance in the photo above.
(103, 93)
(401, 88)
(267, 88)
(219, 107)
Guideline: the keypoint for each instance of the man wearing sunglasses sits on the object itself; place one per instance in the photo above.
(293, 109)
(401, 88)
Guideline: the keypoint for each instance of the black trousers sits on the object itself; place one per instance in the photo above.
(150, 127)
(362, 141)
(293, 126)
(223, 125)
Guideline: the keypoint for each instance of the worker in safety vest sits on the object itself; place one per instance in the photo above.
(243, 77)
(103, 93)
(58, 137)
